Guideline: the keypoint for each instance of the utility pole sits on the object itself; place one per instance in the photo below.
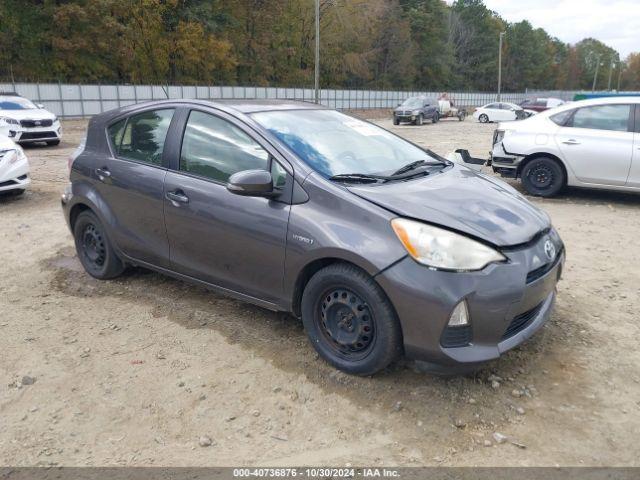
(595, 75)
(620, 67)
(317, 72)
(610, 75)
(500, 66)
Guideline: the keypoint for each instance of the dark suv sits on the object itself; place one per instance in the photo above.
(416, 110)
(381, 247)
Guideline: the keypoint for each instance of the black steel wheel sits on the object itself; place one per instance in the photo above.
(543, 177)
(94, 248)
(345, 321)
(350, 321)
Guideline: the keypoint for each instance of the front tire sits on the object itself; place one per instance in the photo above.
(396, 121)
(436, 118)
(484, 118)
(94, 249)
(543, 177)
(350, 321)
(419, 120)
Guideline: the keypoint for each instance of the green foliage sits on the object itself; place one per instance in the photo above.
(412, 44)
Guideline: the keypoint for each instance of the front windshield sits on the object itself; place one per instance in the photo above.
(414, 102)
(16, 103)
(335, 144)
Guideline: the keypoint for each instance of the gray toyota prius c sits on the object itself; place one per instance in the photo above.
(381, 247)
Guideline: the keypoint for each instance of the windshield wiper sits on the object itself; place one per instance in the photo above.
(414, 165)
(359, 177)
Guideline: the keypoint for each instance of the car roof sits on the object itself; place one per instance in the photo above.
(591, 102)
(242, 106)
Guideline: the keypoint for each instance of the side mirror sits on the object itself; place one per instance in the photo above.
(39, 105)
(251, 183)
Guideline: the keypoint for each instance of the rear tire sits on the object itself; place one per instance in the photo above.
(543, 177)
(53, 143)
(350, 321)
(484, 118)
(94, 249)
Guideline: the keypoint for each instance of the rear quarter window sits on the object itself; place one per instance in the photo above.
(562, 117)
(115, 132)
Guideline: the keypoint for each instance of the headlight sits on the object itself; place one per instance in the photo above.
(9, 121)
(55, 119)
(442, 249)
(415, 112)
(12, 156)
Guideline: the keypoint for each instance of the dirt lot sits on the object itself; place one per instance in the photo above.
(136, 371)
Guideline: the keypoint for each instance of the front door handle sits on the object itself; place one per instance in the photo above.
(103, 173)
(571, 142)
(177, 197)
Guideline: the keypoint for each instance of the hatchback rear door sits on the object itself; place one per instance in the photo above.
(216, 236)
(597, 143)
(131, 181)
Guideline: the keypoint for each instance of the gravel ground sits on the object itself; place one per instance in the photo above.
(146, 370)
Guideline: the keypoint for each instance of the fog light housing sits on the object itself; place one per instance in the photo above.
(460, 315)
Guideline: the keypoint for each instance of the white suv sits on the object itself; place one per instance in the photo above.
(14, 167)
(591, 143)
(25, 122)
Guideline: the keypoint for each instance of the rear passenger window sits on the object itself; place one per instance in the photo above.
(215, 148)
(603, 117)
(143, 137)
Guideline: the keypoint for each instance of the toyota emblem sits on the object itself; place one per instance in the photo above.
(550, 249)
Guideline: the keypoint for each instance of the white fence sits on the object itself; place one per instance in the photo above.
(74, 100)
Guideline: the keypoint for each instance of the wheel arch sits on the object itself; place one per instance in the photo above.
(314, 266)
(75, 211)
(551, 156)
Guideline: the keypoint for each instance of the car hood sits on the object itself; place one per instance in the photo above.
(30, 114)
(460, 199)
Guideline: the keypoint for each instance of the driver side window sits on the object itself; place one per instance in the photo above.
(216, 149)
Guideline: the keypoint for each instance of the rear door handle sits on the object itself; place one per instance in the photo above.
(571, 142)
(177, 197)
(103, 173)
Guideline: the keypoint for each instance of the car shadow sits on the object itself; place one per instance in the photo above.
(584, 195)
(409, 390)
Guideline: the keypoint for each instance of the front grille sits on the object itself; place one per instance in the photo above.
(37, 135)
(6, 184)
(534, 275)
(456, 337)
(521, 321)
(36, 123)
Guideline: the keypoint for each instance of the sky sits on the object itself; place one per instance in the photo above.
(614, 22)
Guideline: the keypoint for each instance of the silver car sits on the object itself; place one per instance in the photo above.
(591, 143)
